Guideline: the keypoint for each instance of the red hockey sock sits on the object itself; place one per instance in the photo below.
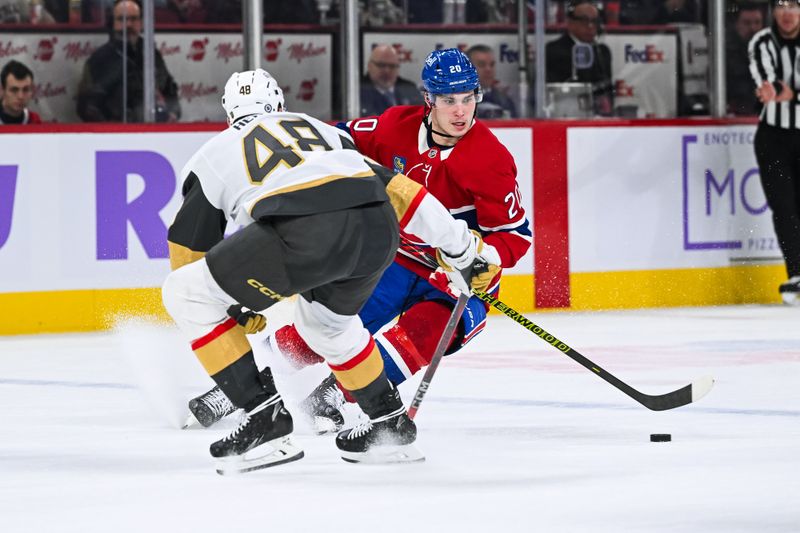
(417, 333)
(295, 349)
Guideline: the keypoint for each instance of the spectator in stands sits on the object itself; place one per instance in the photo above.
(496, 103)
(16, 81)
(638, 12)
(24, 12)
(749, 20)
(583, 21)
(380, 12)
(290, 12)
(181, 12)
(382, 87)
(106, 79)
(425, 11)
(672, 11)
(491, 11)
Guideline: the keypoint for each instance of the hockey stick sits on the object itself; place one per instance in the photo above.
(444, 340)
(660, 402)
(438, 353)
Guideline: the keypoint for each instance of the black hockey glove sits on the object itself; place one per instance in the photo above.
(251, 321)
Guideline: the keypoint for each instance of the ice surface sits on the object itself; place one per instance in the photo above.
(518, 437)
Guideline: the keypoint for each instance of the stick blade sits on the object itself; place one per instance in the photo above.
(701, 387)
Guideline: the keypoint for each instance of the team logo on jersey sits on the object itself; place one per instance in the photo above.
(433, 153)
(399, 164)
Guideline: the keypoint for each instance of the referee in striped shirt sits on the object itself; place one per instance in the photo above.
(775, 66)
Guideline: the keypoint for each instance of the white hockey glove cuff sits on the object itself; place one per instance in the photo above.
(454, 267)
(465, 258)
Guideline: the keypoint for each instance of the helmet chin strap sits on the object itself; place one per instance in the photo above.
(429, 127)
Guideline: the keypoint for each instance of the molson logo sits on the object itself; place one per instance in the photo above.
(43, 92)
(9, 50)
(228, 51)
(190, 91)
(271, 49)
(197, 50)
(166, 50)
(306, 92)
(299, 51)
(77, 50)
(45, 50)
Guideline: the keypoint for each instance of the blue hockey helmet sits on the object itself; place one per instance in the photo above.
(449, 71)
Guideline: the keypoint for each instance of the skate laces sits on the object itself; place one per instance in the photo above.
(365, 427)
(218, 402)
(245, 417)
(333, 397)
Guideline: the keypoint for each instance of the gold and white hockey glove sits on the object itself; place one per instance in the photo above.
(476, 250)
(251, 321)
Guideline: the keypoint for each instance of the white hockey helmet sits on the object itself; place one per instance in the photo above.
(251, 92)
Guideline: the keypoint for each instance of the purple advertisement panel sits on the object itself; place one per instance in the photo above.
(724, 207)
(115, 212)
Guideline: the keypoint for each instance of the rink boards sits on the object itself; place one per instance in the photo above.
(624, 215)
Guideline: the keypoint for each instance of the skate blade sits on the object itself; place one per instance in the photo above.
(381, 455)
(322, 426)
(191, 422)
(272, 453)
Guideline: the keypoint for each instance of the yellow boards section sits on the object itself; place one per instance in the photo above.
(681, 287)
(85, 310)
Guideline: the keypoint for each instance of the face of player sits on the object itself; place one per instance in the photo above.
(128, 16)
(787, 17)
(584, 22)
(452, 114)
(17, 94)
(484, 63)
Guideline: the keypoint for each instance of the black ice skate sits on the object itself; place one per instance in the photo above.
(323, 407)
(208, 408)
(261, 440)
(212, 406)
(386, 439)
(790, 291)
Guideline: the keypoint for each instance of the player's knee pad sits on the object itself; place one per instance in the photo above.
(194, 300)
(337, 338)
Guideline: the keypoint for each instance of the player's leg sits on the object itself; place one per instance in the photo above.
(326, 318)
(408, 346)
(776, 154)
(395, 292)
(198, 296)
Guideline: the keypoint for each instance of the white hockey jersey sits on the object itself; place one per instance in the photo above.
(291, 164)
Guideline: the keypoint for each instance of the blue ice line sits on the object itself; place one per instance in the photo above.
(454, 400)
(576, 405)
(73, 384)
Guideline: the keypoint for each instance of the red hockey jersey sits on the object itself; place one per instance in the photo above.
(475, 179)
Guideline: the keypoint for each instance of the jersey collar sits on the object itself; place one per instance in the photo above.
(424, 147)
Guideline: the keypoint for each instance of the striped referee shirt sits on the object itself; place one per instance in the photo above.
(775, 59)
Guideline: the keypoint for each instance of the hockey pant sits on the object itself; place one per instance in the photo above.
(407, 346)
(332, 260)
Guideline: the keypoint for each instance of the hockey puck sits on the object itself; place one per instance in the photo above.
(660, 437)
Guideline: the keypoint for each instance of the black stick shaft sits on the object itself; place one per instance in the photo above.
(438, 353)
(662, 402)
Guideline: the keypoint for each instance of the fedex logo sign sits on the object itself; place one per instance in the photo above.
(648, 54)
